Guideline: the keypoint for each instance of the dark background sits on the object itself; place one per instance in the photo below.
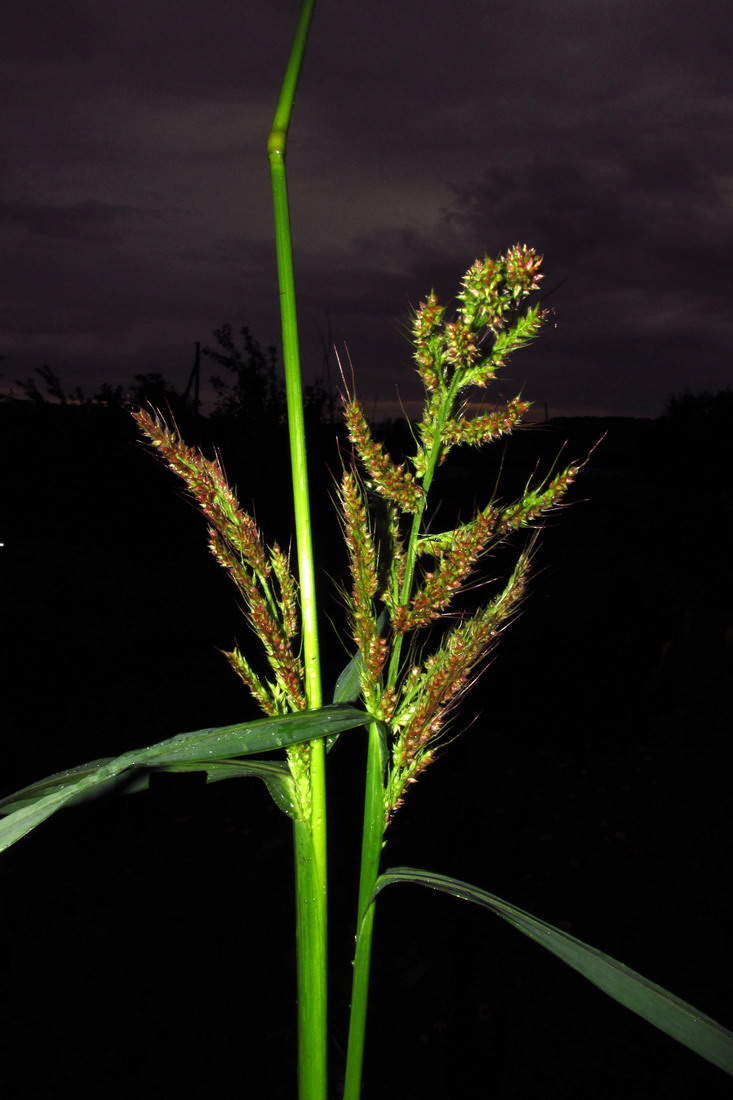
(147, 943)
(135, 211)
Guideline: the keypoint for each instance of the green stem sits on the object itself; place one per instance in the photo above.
(432, 461)
(371, 848)
(310, 835)
(311, 938)
(276, 149)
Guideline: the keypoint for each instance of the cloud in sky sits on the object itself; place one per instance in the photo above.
(134, 201)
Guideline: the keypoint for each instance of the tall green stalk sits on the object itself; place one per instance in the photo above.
(310, 835)
(371, 848)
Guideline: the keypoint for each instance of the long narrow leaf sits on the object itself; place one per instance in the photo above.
(662, 1009)
(58, 781)
(263, 735)
(348, 685)
(275, 774)
(31, 813)
(33, 804)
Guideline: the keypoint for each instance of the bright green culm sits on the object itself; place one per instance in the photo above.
(412, 662)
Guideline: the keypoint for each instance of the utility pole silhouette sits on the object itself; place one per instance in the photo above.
(193, 381)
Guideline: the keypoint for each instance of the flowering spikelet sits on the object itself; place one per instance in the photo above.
(480, 293)
(262, 691)
(427, 428)
(428, 341)
(458, 551)
(430, 695)
(464, 547)
(486, 428)
(525, 328)
(288, 590)
(492, 288)
(460, 344)
(522, 270)
(365, 582)
(535, 502)
(393, 482)
(265, 618)
(396, 562)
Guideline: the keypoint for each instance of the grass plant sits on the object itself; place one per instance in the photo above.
(423, 614)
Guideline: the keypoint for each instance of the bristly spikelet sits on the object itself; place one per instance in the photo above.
(428, 341)
(522, 270)
(460, 344)
(491, 289)
(486, 428)
(288, 590)
(430, 695)
(458, 551)
(465, 546)
(365, 584)
(525, 328)
(428, 425)
(261, 690)
(536, 502)
(393, 482)
(266, 617)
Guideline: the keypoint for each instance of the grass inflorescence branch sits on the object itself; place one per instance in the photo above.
(415, 575)
(420, 649)
(261, 574)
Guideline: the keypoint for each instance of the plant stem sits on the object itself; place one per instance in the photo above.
(431, 463)
(309, 835)
(276, 148)
(371, 848)
(312, 969)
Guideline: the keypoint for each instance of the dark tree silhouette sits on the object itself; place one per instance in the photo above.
(255, 396)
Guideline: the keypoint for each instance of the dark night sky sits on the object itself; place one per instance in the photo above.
(135, 185)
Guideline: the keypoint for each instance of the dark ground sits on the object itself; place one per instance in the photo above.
(147, 942)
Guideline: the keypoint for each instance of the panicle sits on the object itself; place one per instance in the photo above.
(264, 580)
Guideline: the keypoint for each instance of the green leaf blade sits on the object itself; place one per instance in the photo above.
(658, 1006)
(28, 813)
(244, 739)
(202, 750)
(275, 774)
